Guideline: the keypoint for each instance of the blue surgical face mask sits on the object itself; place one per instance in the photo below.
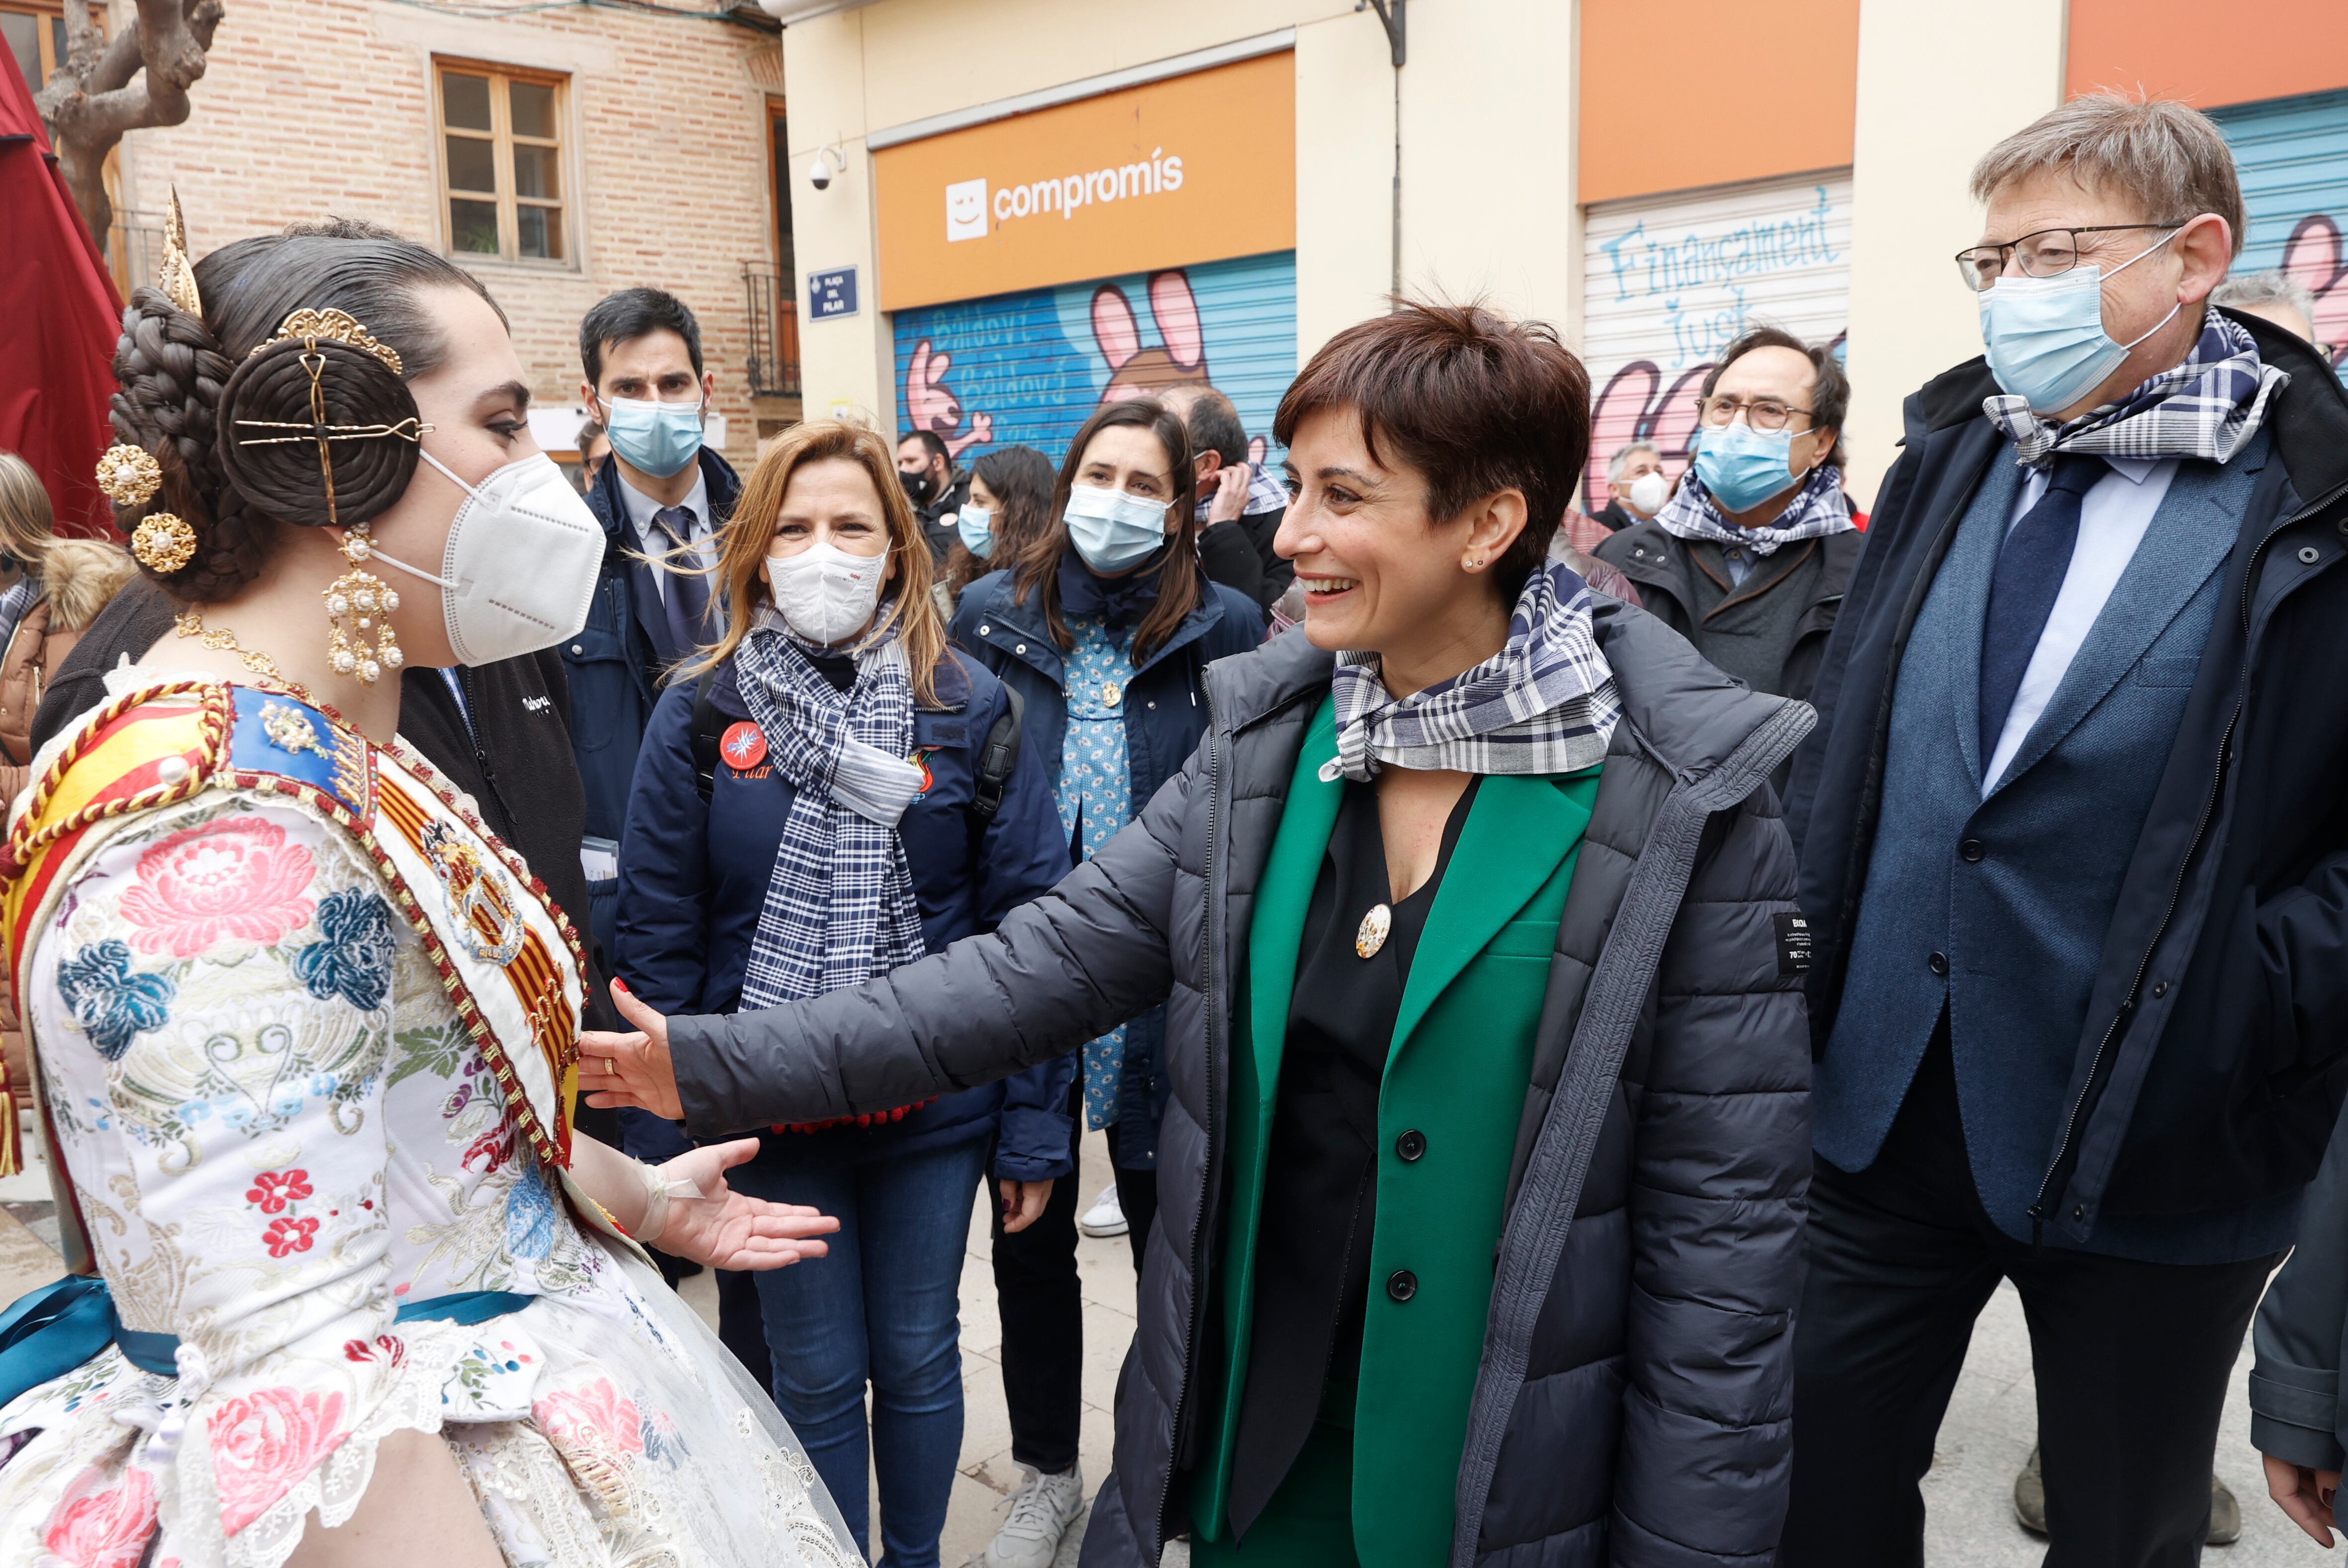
(1113, 531)
(1743, 467)
(2045, 336)
(657, 438)
(977, 527)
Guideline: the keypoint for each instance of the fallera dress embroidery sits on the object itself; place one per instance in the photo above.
(279, 1129)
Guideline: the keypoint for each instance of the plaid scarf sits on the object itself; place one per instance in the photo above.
(1819, 508)
(1267, 491)
(2208, 407)
(1544, 704)
(840, 906)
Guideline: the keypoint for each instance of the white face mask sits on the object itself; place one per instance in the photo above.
(519, 570)
(825, 594)
(1113, 531)
(1649, 492)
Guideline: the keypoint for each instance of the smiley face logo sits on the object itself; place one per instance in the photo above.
(966, 210)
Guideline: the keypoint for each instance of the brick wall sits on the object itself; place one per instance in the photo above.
(318, 108)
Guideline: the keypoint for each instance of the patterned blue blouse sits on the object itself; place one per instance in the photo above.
(1096, 799)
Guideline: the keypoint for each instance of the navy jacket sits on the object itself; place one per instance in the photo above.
(617, 659)
(693, 879)
(1165, 716)
(2215, 1051)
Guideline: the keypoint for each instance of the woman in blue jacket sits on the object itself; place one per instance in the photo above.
(1104, 625)
(847, 819)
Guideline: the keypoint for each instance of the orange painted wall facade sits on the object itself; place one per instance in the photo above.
(1193, 168)
(2180, 48)
(1676, 94)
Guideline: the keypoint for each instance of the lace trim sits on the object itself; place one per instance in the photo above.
(412, 1403)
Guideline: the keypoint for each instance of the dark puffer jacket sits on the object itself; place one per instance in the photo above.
(1632, 1405)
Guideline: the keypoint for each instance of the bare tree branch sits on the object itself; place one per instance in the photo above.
(107, 87)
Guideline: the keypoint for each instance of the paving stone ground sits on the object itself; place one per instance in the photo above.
(1970, 1524)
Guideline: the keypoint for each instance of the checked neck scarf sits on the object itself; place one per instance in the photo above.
(2208, 407)
(840, 906)
(1819, 508)
(1544, 704)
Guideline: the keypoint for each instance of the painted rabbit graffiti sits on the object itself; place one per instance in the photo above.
(931, 405)
(1027, 367)
(2315, 257)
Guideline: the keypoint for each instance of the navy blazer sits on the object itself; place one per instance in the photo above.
(693, 876)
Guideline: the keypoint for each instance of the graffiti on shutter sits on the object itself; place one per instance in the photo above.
(2292, 155)
(1028, 368)
(1670, 281)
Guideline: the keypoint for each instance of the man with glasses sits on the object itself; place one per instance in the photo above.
(2073, 859)
(1748, 558)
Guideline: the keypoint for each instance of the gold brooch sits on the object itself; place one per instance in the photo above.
(1373, 932)
(336, 326)
(290, 729)
(163, 542)
(129, 475)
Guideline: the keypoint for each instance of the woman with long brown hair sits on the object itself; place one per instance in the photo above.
(1010, 503)
(814, 807)
(1104, 625)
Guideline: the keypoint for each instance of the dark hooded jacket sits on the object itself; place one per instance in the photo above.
(1633, 1402)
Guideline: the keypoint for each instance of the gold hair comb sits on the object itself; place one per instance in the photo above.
(336, 326)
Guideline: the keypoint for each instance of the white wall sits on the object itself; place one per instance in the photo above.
(844, 361)
(1489, 156)
(1937, 86)
(1344, 176)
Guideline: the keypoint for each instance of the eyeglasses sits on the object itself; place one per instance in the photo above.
(2048, 254)
(1761, 413)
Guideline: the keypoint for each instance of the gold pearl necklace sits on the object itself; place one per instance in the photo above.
(190, 624)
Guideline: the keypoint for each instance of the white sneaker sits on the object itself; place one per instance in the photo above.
(1041, 1511)
(1106, 1217)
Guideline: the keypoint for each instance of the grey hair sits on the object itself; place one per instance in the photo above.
(1622, 459)
(2270, 287)
(2171, 158)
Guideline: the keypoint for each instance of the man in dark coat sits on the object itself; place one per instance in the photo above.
(937, 488)
(2073, 857)
(1239, 503)
(1757, 590)
(1625, 470)
(661, 493)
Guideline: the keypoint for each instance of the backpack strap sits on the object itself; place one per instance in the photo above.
(708, 733)
(997, 758)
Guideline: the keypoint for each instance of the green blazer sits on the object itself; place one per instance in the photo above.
(1457, 1073)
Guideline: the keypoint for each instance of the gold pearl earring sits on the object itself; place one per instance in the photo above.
(1475, 563)
(361, 593)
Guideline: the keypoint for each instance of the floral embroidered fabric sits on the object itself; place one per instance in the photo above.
(277, 1131)
(1096, 799)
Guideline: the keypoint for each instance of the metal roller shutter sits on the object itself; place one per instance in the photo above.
(2293, 158)
(1669, 281)
(1028, 368)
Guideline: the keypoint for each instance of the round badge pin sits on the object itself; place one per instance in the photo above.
(743, 746)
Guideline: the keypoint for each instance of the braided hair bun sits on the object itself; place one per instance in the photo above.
(290, 388)
(216, 397)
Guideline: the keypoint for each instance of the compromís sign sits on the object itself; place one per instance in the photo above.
(1193, 168)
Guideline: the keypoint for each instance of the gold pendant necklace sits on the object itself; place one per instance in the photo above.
(190, 624)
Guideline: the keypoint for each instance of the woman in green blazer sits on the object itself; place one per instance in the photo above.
(1480, 1181)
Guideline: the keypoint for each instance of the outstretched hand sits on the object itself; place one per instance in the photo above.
(634, 1069)
(728, 1230)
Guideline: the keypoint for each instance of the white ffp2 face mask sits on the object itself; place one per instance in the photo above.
(825, 594)
(519, 570)
(1649, 492)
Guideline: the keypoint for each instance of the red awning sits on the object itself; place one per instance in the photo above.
(57, 334)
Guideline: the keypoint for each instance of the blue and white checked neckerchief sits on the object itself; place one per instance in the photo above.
(1267, 491)
(840, 906)
(1819, 508)
(2208, 407)
(1545, 703)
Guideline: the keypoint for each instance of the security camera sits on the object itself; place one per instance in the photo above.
(829, 161)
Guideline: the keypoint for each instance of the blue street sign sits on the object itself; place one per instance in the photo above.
(831, 294)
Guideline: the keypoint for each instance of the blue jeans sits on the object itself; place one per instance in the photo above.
(882, 1308)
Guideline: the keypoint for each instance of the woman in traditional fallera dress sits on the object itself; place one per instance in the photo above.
(348, 1290)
